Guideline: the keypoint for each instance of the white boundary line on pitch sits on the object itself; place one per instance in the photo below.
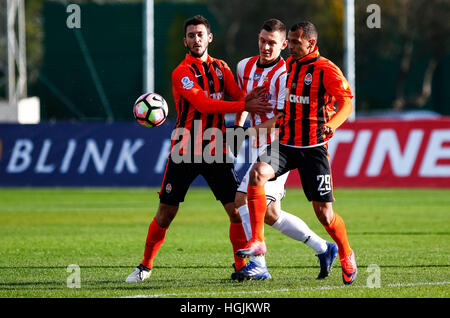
(283, 290)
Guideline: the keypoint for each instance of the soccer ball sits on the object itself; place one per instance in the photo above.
(150, 110)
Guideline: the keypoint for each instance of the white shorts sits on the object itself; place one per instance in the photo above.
(274, 189)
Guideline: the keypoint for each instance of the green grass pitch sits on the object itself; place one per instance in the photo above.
(405, 233)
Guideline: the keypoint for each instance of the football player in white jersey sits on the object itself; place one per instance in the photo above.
(269, 69)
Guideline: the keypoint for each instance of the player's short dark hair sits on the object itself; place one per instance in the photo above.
(196, 20)
(273, 25)
(309, 30)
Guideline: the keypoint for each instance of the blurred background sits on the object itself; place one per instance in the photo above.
(95, 72)
(87, 64)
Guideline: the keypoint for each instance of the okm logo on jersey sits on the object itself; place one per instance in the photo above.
(299, 99)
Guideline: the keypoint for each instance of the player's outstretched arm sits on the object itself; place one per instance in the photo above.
(184, 84)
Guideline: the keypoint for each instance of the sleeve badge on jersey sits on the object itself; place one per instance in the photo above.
(187, 83)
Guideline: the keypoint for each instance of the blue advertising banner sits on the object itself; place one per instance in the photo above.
(75, 154)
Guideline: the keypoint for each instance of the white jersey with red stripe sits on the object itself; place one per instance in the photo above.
(251, 73)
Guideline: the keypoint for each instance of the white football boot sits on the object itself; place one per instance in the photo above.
(139, 274)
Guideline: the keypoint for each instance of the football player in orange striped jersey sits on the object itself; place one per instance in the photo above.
(199, 85)
(309, 119)
(269, 69)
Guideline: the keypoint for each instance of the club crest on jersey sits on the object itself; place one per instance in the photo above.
(219, 73)
(308, 79)
(187, 83)
(257, 77)
(168, 188)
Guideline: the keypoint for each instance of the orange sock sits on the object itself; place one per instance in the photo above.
(256, 198)
(337, 231)
(155, 237)
(238, 241)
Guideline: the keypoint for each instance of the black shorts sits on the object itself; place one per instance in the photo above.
(221, 178)
(312, 165)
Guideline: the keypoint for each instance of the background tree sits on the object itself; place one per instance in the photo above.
(413, 40)
(242, 21)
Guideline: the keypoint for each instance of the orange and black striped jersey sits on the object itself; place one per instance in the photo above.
(199, 89)
(313, 85)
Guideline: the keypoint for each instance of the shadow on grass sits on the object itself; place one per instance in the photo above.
(106, 267)
(156, 284)
(111, 267)
(361, 266)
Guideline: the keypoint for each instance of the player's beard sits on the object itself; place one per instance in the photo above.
(196, 54)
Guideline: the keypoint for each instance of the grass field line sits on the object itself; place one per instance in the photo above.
(283, 290)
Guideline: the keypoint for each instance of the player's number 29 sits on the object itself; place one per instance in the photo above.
(324, 182)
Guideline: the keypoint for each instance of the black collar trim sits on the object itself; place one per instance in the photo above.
(308, 61)
(267, 65)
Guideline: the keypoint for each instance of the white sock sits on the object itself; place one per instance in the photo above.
(260, 260)
(245, 216)
(294, 227)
